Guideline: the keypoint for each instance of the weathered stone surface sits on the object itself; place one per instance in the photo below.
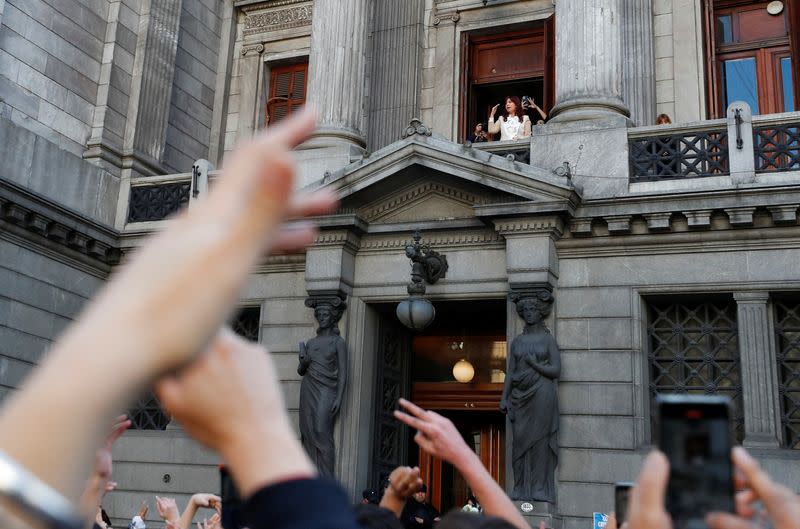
(582, 431)
(595, 399)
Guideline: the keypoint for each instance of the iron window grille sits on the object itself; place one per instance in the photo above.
(686, 155)
(157, 202)
(787, 330)
(694, 349)
(147, 413)
(777, 148)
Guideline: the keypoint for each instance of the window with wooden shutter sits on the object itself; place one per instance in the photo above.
(287, 91)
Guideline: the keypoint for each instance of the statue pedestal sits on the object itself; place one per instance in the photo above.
(538, 511)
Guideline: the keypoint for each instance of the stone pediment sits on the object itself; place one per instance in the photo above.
(424, 178)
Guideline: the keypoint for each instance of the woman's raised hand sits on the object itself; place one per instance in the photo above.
(494, 109)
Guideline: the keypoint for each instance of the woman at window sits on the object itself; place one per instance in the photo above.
(513, 125)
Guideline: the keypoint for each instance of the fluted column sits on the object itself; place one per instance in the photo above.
(759, 370)
(337, 68)
(151, 86)
(588, 60)
(638, 61)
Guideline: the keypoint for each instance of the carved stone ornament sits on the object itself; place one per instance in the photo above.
(257, 48)
(439, 17)
(416, 126)
(262, 21)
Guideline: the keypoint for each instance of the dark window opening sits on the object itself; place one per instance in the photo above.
(507, 62)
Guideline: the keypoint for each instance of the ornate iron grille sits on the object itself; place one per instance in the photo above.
(247, 323)
(390, 442)
(787, 329)
(147, 414)
(688, 155)
(694, 348)
(777, 148)
(157, 202)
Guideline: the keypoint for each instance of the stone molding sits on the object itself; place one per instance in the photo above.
(373, 212)
(264, 18)
(345, 238)
(525, 226)
(700, 219)
(480, 239)
(42, 221)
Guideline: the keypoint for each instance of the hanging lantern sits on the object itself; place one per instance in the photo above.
(463, 371)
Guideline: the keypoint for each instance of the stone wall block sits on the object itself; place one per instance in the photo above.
(784, 214)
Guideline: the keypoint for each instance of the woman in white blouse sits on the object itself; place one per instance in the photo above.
(514, 124)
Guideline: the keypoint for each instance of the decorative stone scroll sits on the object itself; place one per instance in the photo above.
(261, 21)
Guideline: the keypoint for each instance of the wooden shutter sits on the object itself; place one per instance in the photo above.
(287, 91)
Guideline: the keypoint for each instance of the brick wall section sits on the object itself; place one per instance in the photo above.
(50, 55)
(190, 116)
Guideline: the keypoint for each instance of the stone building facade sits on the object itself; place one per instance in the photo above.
(671, 250)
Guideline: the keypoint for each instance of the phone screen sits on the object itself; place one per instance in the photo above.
(695, 435)
(622, 490)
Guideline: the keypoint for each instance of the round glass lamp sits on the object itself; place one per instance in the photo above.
(463, 371)
(416, 313)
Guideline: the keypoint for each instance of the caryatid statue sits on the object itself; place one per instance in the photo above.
(530, 399)
(323, 366)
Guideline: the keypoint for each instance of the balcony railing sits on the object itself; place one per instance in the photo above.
(737, 146)
(517, 150)
(689, 152)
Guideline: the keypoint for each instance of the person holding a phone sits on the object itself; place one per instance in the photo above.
(514, 124)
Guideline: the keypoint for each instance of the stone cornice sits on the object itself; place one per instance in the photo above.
(47, 224)
(549, 224)
(339, 238)
(482, 239)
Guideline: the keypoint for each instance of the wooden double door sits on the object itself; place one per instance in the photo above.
(474, 409)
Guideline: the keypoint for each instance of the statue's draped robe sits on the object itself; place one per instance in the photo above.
(533, 408)
(317, 394)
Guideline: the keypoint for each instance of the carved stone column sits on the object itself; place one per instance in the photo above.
(151, 86)
(759, 370)
(588, 60)
(638, 66)
(337, 68)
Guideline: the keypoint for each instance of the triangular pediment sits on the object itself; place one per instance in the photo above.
(425, 178)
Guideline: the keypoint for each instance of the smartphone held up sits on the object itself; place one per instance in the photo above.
(695, 434)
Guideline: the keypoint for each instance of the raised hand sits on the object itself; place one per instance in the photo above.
(232, 389)
(646, 506)
(782, 505)
(435, 434)
(144, 508)
(167, 509)
(494, 109)
(404, 482)
(204, 499)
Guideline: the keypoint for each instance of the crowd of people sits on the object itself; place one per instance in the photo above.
(513, 124)
(160, 323)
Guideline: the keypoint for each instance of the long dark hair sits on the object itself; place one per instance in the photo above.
(517, 103)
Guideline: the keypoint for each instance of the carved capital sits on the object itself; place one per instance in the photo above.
(552, 225)
(256, 49)
(336, 302)
(438, 17)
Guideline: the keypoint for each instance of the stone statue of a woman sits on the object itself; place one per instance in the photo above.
(323, 366)
(530, 399)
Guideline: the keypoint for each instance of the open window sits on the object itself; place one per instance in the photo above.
(502, 62)
(752, 55)
(287, 91)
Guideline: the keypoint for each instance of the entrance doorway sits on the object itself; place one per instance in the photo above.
(419, 366)
(472, 335)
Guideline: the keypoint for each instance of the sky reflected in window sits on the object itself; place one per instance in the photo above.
(739, 81)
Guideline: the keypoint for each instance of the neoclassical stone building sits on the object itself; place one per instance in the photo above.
(671, 251)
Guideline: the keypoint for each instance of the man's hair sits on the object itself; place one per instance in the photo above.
(370, 516)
